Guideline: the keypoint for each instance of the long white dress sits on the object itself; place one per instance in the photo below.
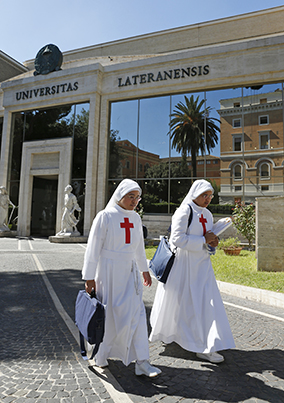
(115, 254)
(188, 309)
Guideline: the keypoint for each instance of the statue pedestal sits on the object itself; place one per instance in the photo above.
(68, 238)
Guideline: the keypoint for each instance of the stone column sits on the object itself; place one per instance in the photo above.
(6, 140)
(103, 153)
(92, 163)
(270, 233)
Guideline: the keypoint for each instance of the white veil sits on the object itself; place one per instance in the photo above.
(126, 186)
(198, 187)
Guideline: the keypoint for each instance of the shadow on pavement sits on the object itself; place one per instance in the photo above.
(244, 375)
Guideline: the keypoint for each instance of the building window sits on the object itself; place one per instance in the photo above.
(264, 188)
(208, 162)
(127, 165)
(263, 120)
(237, 104)
(237, 122)
(146, 166)
(263, 101)
(237, 172)
(237, 143)
(264, 171)
(264, 140)
(140, 168)
(215, 162)
(238, 188)
(200, 162)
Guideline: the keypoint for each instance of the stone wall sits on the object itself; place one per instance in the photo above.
(270, 233)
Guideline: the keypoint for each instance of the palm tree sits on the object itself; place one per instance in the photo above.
(187, 129)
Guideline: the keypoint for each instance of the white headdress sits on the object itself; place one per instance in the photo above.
(198, 187)
(126, 186)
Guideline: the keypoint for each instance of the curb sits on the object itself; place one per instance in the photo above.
(253, 294)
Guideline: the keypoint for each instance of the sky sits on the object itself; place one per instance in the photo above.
(27, 26)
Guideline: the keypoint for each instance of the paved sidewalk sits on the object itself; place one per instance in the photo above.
(40, 358)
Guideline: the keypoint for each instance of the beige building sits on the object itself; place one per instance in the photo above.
(252, 146)
(56, 126)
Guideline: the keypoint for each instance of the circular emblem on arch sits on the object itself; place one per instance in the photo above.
(48, 59)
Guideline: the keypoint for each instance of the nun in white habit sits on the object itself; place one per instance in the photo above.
(114, 258)
(188, 309)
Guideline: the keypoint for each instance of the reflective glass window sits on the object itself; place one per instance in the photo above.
(123, 140)
(41, 124)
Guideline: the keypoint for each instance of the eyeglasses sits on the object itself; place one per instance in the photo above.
(136, 199)
(206, 196)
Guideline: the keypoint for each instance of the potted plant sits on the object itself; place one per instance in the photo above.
(230, 246)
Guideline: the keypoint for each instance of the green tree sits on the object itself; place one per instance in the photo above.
(187, 129)
(216, 188)
(81, 124)
(115, 154)
(158, 185)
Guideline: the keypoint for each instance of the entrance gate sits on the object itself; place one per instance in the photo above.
(45, 172)
(44, 202)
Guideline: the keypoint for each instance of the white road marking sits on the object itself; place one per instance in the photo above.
(254, 311)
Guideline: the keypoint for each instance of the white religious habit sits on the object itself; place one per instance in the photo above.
(188, 309)
(115, 254)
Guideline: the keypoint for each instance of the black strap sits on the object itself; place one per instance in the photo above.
(188, 222)
(83, 348)
(190, 216)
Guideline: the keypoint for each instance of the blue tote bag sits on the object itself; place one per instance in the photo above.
(164, 257)
(162, 261)
(90, 320)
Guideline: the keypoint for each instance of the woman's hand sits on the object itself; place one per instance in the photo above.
(211, 239)
(147, 278)
(90, 285)
(214, 243)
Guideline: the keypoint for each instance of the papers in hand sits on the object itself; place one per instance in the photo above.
(221, 225)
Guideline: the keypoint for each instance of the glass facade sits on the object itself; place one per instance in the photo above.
(41, 124)
(233, 128)
(141, 148)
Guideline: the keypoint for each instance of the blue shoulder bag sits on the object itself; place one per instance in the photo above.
(164, 257)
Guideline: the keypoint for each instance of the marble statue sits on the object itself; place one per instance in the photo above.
(69, 220)
(5, 202)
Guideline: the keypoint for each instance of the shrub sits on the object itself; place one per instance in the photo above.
(244, 221)
(230, 243)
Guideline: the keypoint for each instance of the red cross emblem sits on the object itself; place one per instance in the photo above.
(127, 225)
(203, 221)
